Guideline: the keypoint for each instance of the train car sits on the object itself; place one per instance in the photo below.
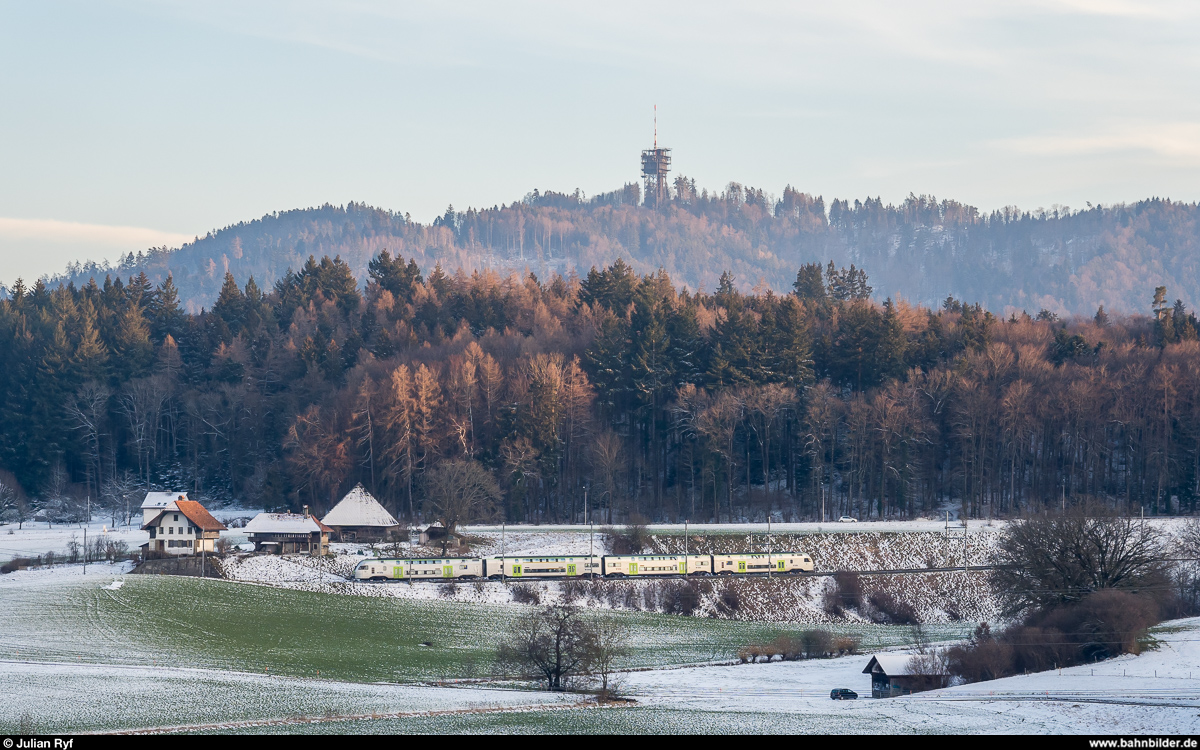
(400, 569)
(657, 565)
(547, 566)
(761, 562)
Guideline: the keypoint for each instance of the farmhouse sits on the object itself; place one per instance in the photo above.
(183, 527)
(288, 533)
(900, 674)
(360, 518)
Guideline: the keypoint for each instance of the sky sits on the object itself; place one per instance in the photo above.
(139, 123)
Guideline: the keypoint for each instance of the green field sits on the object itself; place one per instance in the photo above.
(272, 653)
(190, 622)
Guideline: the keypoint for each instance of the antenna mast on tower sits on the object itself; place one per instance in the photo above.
(656, 163)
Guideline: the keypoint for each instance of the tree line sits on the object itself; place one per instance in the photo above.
(618, 389)
(923, 248)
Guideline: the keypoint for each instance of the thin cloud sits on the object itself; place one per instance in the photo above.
(49, 230)
(1172, 140)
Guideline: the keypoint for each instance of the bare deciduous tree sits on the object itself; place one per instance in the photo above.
(551, 644)
(1053, 560)
(461, 491)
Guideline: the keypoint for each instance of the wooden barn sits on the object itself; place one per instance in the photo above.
(900, 674)
(288, 534)
(360, 518)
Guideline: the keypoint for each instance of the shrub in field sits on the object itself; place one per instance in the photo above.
(815, 644)
(1104, 624)
(448, 590)
(789, 647)
(17, 563)
(844, 645)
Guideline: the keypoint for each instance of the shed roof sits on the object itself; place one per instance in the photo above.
(890, 664)
(162, 499)
(284, 523)
(358, 508)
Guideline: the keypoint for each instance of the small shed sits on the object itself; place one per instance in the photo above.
(288, 533)
(184, 527)
(900, 674)
(157, 502)
(360, 518)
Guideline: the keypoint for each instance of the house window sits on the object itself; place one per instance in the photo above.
(176, 518)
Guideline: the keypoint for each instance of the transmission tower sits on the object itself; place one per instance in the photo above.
(656, 162)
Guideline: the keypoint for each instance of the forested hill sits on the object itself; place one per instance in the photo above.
(923, 249)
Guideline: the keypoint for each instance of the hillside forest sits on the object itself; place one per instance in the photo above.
(922, 250)
(654, 401)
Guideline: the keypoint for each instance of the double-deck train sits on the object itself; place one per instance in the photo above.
(571, 566)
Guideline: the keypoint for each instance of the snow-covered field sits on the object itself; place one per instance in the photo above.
(1157, 692)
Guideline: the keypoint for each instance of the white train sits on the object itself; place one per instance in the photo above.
(570, 566)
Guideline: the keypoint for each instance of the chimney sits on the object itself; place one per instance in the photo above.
(306, 511)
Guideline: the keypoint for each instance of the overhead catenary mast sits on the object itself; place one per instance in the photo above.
(656, 163)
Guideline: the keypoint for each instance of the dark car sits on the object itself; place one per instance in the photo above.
(843, 694)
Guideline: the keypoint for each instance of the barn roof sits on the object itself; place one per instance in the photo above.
(358, 508)
(284, 523)
(162, 499)
(890, 664)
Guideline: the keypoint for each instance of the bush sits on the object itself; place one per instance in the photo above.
(846, 594)
(632, 540)
(789, 647)
(1104, 624)
(845, 645)
(448, 590)
(891, 610)
(816, 643)
(572, 589)
(681, 597)
(17, 563)
(526, 594)
(729, 602)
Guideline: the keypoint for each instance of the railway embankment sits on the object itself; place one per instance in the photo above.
(920, 594)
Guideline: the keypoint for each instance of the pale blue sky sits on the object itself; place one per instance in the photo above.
(126, 124)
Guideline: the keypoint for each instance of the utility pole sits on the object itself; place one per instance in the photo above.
(591, 533)
(768, 546)
(502, 580)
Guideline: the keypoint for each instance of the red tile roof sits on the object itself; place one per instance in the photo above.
(196, 513)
